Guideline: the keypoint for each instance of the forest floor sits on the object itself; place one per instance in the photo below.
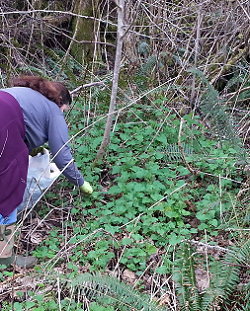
(36, 230)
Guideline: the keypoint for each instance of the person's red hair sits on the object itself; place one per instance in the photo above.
(54, 91)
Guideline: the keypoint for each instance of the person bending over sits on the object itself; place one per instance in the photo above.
(31, 114)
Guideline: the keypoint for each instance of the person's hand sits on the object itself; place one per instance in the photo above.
(86, 188)
(37, 150)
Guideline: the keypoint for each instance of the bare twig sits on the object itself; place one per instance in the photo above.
(213, 247)
(85, 86)
(191, 170)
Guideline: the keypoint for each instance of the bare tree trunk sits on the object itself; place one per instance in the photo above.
(130, 38)
(120, 33)
(84, 30)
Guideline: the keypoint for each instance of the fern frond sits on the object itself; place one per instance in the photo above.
(230, 271)
(243, 256)
(144, 48)
(223, 124)
(229, 274)
(225, 278)
(172, 152)
(243, 253)
(98, 287)
(184, 276)
(247, 296)
(147, 67)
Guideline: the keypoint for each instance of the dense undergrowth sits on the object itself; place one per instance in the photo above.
(168, 216)
(146, 212)
(167, 227)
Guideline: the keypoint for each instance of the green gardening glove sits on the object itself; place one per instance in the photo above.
(86, 188)
(35, 151)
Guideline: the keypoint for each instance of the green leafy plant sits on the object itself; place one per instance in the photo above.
(223, 278)
(223, 124)
(109, 291)
(134, 258)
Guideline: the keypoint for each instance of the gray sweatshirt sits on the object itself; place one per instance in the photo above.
(45, 122)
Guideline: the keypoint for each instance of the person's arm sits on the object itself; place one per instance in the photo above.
(58, 138)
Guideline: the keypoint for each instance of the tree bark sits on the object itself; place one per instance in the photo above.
(85, 31)
(120, 33)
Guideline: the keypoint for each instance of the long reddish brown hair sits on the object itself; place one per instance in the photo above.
(54, 91)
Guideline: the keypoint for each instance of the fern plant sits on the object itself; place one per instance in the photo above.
(172, 152)
(224, 278)
(110, 291)
(243, 255)
(223, 124)
(188, 295)
(151, 65)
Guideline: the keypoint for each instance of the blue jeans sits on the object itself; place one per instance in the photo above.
(12, 218)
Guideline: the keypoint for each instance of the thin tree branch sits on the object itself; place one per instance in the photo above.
(191, 170)
(120, 32)
(86, 85)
